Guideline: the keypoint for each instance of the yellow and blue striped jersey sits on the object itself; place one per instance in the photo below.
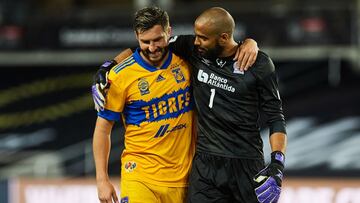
(156, 106)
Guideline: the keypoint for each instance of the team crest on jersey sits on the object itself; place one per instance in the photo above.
(124, 199)
(220, 62)
(143, 86)
(130, 166)
(179, 76)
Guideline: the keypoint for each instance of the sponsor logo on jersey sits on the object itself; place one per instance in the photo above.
(160, 78)
(164, 129)
(143, 86)
(206, 61)
(130, 166)
(220, 62)
(159, 108)
(179, 76)
(214, 80)
(237, 69)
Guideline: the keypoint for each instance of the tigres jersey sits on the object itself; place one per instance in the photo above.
(156, 106)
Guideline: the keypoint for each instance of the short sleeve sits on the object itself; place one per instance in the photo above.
(115, 98)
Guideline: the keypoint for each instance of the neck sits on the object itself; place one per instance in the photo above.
(229, 49)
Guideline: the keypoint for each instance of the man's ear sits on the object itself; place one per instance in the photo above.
(136, 35)
(224, 37)
(169, 31)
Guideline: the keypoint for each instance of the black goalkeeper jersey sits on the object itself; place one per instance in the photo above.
(228, 101)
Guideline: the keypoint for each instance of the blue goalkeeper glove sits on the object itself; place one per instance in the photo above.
(101, 84)
(270, 179)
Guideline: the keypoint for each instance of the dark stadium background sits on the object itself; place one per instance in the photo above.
(49, 51)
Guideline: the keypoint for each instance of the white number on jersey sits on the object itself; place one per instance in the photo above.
(212, 98)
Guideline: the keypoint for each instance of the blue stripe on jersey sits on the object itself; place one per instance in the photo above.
(109, 115)
(125, 63)
(168, 106)
(147, 66)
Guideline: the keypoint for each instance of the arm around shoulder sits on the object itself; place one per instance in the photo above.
(123, 55)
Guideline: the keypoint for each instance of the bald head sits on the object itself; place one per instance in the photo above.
(216, 20)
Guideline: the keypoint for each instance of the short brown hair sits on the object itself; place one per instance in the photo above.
(148, 17)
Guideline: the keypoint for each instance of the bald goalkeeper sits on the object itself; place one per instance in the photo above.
(229, 164)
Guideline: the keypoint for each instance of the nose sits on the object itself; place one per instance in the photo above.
(152, 47)
(197, 41)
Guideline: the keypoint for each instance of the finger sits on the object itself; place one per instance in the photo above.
(271, 198)
(99, 94)
(106, 77)
(251, 61)
(248, 61)
(276, 198)
(104, 200)
(98, 100)
(264, 186)
(96, 106)
(240, 57)
(244, 61)
(115, 198)
(263, 196)
(104, 84)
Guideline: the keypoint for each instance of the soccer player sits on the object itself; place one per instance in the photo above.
(151, 89)
(229, 165)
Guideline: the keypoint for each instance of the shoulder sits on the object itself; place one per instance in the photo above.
(120, 69)
(263, 66)
(189, 39)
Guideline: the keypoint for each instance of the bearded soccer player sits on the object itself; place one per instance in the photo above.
(151, 89)
(229, 161)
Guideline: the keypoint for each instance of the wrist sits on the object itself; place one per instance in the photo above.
(102, 178)
(278, 157)
(107, 65)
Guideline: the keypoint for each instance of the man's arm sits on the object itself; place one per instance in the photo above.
(123, 55)
(181, 45)
(270, 178)
(101, 150)
(278, 142)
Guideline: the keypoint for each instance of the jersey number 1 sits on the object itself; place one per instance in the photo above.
(211, 98)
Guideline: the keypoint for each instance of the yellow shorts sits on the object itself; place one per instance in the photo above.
(139, 192)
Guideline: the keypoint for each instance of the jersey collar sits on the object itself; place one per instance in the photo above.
(146, 65)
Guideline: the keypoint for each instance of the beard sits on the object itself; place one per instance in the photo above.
(210, 52)
(157, 56)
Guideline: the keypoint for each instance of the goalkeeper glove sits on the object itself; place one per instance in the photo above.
(270, 179)
(101, 84)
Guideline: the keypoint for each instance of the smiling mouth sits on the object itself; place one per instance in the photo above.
(156, 54)
(201, 50)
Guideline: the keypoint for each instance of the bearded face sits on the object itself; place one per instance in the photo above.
(154, 44)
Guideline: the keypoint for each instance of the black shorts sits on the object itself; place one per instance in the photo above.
(223, 180)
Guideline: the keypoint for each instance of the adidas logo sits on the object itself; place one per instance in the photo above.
(160, 78)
